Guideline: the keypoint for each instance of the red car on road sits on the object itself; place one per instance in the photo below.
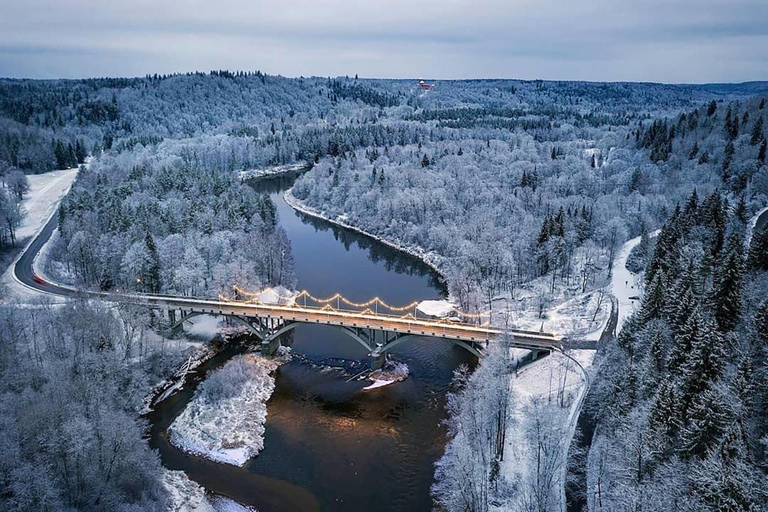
(39, 280)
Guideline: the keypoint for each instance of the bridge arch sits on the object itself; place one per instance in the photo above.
(289, 326)
(409, 337)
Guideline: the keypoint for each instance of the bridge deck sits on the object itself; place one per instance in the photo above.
(440, 329)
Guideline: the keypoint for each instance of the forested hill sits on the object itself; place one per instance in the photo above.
(56, 123)
(725, 141)
(681, 398)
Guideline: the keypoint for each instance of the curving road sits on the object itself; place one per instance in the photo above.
(23, 270)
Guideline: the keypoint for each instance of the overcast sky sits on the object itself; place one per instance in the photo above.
(636, 40)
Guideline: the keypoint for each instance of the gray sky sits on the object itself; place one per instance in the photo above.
(636, 40)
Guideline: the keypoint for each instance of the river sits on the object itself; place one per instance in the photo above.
(328, 444)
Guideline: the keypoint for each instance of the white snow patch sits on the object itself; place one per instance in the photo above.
(276, 295)
(393, 371)
(45, 193)
(437, 308)
(752, 224)
(625, 285)
(188, 496)
(273, 171)
(224, 421)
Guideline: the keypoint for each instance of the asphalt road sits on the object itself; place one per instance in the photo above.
(23, 267)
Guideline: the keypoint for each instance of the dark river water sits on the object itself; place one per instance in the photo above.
(329, 445)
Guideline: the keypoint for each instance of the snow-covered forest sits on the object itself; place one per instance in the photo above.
(152, 219)
(521, 193)
(680, 398)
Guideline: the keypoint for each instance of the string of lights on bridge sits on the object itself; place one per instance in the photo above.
(326, 304)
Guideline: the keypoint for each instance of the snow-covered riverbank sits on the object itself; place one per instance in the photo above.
(187, 496)
(225, 420)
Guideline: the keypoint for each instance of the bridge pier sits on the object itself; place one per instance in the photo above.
(270, 345)
(378, 360)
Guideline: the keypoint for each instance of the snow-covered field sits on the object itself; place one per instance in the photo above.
(225, 420)
(45, 193)
(580, 316)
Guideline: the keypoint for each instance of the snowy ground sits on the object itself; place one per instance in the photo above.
(543, 381)
(753, 224)
(393, 371)
(273, 171)
(436, 308)
(187, 496)
(225, 420)
(45, 194)
(625, 285)
(579, 317)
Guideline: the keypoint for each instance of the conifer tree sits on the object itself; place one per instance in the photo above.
(152, 278)
(757, 131)
(757, 258)
(664, 418)
(705, 359)
(654, 299)
(708, 420)
(726, 288)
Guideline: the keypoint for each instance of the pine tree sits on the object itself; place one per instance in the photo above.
(683, 341)
(741, 210)
(664, 418)
(694, 151)
(761, 152)
(684, 300)
(757, 258)
(152, 277)
(425, 161)
(706, 359)
(712, 108)
(708, 420)
(726, 288)
(757, 131)
(653, 300)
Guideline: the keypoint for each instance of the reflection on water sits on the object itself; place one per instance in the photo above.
(346, 448)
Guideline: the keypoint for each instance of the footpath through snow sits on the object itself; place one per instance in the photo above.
(557, 384)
